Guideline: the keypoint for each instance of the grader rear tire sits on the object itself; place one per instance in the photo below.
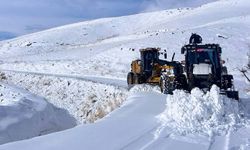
(130, 78)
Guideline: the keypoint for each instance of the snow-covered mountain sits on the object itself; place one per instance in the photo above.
(81, 68)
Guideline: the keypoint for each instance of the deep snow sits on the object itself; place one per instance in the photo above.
(25, 115)
(209, 113)
(82, 68)
(85, 100)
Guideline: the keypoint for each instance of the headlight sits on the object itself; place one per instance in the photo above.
(168, 71)
(171, 71)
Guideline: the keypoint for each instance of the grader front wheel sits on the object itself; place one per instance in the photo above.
(166, 85)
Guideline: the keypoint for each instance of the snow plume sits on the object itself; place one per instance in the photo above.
(198, 112)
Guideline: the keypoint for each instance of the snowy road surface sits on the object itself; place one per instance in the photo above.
(134, 126)
(122, 83)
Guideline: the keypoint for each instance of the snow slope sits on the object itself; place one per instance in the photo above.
(82, 68)
(25, 115)
(85, 98)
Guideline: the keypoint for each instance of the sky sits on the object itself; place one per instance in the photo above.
(18, 17)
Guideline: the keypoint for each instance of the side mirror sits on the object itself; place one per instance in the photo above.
(182, 50)
(219, 50)
(165, 54)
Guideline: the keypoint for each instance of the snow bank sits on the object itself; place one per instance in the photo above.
(86, 101)
(198, 112)
(24, 115)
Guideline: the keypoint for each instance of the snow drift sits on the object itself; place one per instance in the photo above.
(24, 115)
(198, 112)
(86, 101)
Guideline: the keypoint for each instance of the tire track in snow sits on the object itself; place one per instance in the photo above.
(146, 136)
(227, 140)
(211, 141)
(147, 139)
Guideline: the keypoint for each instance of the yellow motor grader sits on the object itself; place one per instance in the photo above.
(150, 68)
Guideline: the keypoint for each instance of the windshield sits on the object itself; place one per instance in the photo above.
(152, 56)
(203, 56)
